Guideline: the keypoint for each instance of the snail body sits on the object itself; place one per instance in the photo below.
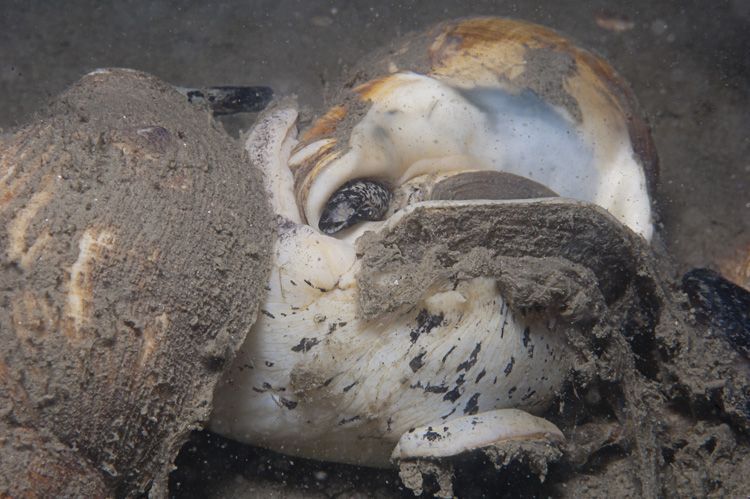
(489, 111)
(429, 289)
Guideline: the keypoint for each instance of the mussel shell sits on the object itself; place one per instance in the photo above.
(136, 244)
(720, 304)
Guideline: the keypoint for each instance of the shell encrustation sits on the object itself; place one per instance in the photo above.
(473, 112)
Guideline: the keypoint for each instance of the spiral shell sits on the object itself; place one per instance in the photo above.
(486, 94)
(380, 320)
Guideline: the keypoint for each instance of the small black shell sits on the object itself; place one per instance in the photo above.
(721, 304)
(356, 201)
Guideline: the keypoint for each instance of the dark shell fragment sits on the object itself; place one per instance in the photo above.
(720, 304)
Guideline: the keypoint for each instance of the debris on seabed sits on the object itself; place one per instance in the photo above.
(611, 21)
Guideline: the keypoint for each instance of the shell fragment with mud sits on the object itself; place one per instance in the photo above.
(488, 112)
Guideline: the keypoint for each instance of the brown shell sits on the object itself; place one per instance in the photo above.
(488, 51)
(135, 243)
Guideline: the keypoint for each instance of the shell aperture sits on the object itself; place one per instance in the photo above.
(355, 201)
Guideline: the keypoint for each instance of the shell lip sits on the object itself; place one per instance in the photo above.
(355, 232)
(342, 210)
(466, 434)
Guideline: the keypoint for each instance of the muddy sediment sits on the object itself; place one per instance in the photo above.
(669, 392)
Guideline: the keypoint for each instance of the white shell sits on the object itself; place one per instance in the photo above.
(314, 378)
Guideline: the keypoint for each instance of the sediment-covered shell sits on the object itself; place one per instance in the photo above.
(135, 246)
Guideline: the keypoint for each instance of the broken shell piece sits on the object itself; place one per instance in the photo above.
(612, 21)
(474, 432)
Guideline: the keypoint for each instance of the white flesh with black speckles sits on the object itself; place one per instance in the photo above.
(314, 380)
